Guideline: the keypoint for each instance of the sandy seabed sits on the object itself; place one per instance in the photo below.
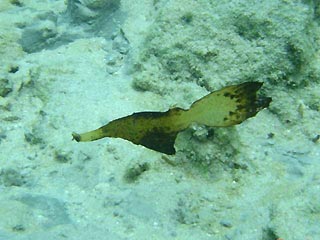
(75, 65)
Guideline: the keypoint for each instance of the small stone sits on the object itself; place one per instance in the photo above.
(62, 157)
(316, 138)
(5, 87)
(17, 3)
(14, 69)
(11, 177)
(226, 223)
(18, 228)
(32, 139)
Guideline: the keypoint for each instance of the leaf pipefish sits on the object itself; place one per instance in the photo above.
(228, 106)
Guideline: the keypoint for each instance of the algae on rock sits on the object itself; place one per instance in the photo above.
(221, 42)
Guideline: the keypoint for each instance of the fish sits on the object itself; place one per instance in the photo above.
(226, 107)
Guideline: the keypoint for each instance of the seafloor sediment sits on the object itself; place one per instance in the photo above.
(75, 65)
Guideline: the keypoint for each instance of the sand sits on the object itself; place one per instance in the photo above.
(75, 65)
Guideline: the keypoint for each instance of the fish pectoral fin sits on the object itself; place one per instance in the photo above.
(159, 141)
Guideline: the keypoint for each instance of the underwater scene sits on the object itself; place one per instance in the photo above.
(160, 119)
